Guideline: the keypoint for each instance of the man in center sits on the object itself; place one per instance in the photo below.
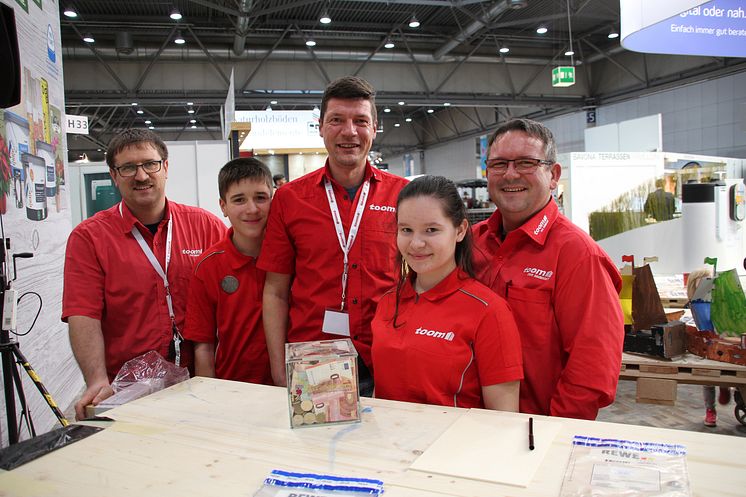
(330, 245)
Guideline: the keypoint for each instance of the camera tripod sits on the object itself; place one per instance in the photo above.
(12, 379)
(10, 357)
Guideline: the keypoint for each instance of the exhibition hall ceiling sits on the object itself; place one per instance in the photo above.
(443, 77)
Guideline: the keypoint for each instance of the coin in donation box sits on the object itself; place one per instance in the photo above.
(229, 284)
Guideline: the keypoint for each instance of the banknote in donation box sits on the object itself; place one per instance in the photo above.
(322, 382)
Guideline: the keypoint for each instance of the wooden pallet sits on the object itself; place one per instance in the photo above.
(657, 379)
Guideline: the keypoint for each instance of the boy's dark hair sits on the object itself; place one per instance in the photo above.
(134, 138)
(278, 177)
(349, 87)
(445, 191)
(243, 168)
(533, 129)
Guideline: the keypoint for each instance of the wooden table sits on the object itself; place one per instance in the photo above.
(211, 437)
(657, 379)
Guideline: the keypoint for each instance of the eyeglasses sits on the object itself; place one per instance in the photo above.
(499, 167)
(129, 170)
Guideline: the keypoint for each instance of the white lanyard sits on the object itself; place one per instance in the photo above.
(346, 245)
(163, 274)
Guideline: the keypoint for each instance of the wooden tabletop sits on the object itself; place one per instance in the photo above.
(212, 437)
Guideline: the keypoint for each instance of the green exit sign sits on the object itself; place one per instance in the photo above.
(563, 76)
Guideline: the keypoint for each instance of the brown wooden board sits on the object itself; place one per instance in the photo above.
(647, 309)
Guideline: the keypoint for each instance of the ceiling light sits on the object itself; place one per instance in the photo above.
(430, 111)
(70, 12)
(386, 109)
(148, 121)
(192, 121)
(151, 127)
(569, 53)
(179, 40)
(310, 42)
(190, 104)
(140, 111)
(401, 102)
(409, 119)
(413, 22)
(325, 19)
(88, 38)
(273, 102)
(190, 111)
(504, 49)
(194, 126)
(542, 30)
(446, 104)
(396, 125)
(613, 33)
(175, 14)
(389, 43)
(134, 104)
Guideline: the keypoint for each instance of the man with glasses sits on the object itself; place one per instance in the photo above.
(562, 287)
(127, 268)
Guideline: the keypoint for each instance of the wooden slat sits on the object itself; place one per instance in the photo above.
(650, 368)
(714, 373)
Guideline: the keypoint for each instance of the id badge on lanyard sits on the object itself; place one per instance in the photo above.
(337, 321)
(174, 347)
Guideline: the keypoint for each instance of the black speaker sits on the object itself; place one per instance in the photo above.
(10, 61)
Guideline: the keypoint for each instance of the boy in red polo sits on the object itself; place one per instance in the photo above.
(224, 311)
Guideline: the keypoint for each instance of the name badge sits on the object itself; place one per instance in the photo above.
(336, 322)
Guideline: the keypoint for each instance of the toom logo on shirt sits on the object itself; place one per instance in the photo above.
(384, 208)
(192, 252)
(542, 224)
(537, 273)
(435, 334)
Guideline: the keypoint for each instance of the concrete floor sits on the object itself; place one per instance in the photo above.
(687, 414)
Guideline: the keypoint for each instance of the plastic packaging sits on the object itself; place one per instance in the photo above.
(17, 454)
(601, 467)
(286, 483)
(139, 377)
(149, 366)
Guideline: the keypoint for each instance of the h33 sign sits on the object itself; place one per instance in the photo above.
(77, 125)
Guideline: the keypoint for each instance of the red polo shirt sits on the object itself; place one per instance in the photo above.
(450, 342)
(225, 308)
(301, 240)
(109, 278)
(564, 293)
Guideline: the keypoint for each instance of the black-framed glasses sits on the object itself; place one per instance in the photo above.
(522, 166)
(129, 170)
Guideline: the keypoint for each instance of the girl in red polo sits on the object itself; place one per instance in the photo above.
(441, 337)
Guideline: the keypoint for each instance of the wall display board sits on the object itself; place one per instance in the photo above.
(716, 28)
(34, 204)
(280, 131)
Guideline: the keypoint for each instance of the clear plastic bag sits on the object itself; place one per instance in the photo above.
(602, 467)
(139, 377)
(286, 484)
(145, 369)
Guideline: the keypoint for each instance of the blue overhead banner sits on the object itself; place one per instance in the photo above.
(716, 28)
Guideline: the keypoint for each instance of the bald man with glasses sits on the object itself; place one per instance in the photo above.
(561, 286)
(127, 268)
